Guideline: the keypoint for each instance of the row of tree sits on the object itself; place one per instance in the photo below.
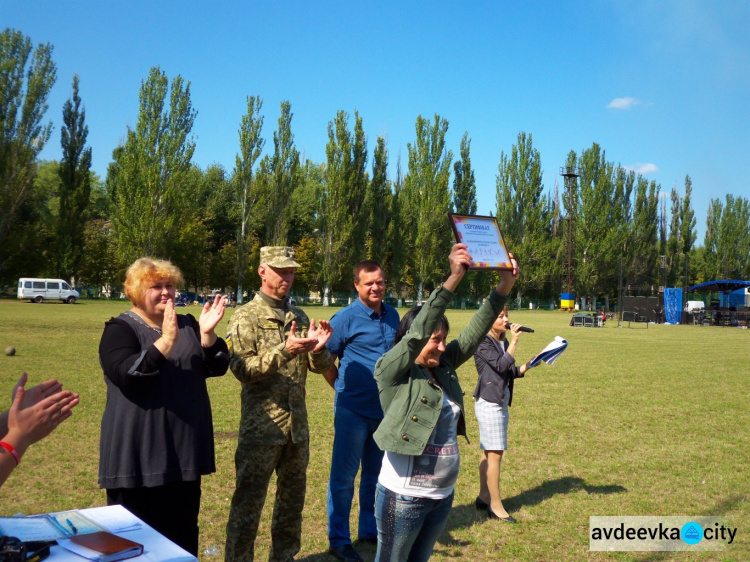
(611, 227)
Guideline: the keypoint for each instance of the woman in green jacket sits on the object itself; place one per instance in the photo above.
(424, 415)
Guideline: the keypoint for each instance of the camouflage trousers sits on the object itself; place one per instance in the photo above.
(255, 464)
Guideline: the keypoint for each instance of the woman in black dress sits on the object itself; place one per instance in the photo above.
(157, 431)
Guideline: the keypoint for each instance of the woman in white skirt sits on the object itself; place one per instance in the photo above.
(493, 395)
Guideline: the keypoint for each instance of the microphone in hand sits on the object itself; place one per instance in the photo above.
(523, 329)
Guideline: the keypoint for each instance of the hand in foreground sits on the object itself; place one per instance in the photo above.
(35, 393)
(322, 333)
(169, 329)
(31, 419)
(212, 314)
(296, 345)
(459, 260)
(508, 277)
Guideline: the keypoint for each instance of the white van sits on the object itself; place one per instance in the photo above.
(39, 290)
(694, 306)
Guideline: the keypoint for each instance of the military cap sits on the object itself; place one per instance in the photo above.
(278, 256)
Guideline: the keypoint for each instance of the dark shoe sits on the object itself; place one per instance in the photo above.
(346, 553)
(373, 541)
(479, 504)
(492, 515)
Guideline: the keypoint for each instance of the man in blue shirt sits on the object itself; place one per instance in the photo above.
(362, 332)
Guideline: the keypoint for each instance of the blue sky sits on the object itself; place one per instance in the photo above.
(662, 86)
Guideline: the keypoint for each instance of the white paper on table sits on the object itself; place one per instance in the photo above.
(114, 518)
(29, 528)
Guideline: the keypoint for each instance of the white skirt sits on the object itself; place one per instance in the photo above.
(493, 425)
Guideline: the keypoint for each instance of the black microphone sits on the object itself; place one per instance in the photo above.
(523, 329)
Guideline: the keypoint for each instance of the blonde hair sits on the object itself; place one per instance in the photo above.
(147, 270)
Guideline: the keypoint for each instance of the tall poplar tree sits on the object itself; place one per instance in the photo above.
(464, 184)
(687, 230)
(378, 205)
(643, 240)
(341, 200)
(727, 241)
(245, 190)
(150, 173)
(26, 77)
(673, 240)
(75, 185)
(465, 202)
(428, 197)
(524, 213)
(282, 176)
(400, 238)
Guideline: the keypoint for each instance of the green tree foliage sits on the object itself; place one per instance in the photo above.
(26, 77)
(307, 255)
(75, 186)
(674, 257)
(100, 267)
(246, 193)
(149, 178)
(464, 184)
(428, 200)
(687, 219)
(524, 213)
(341, 201)
(378, 205)
(465, 202)
(33, 235)
(604, 210)
(281, 176)
(305, 203)
(727, 241)
(642, 246)
(400, 239)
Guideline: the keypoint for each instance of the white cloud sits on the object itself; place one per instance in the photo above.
(623, 103)
(643, 168)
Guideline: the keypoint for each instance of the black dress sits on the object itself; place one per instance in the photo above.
(157, 431)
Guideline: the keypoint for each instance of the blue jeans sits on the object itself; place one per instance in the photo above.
(352, 444)
(408, 526)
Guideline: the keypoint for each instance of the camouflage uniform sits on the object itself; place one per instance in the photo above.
(273, 428)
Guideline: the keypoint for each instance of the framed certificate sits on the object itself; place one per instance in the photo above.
(483, 239)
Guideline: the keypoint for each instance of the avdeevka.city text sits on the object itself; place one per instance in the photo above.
(662, 533)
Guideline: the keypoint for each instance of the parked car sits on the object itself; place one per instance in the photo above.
(39, 290)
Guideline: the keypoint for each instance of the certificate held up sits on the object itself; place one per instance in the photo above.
(483, 240)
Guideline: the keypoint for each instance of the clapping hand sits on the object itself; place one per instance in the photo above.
(322, 333)
(297, 345)
(36, 412)
(210, 317)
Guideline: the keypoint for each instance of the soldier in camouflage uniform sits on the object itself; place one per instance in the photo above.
(272, 345)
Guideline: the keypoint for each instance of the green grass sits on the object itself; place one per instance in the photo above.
(627, 422)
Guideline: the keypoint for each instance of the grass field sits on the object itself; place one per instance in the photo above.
(627, 422)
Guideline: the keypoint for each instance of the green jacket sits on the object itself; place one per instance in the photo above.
(273, 380)
(410, 398)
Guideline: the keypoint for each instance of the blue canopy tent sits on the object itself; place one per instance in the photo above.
(720, 286)
(732, 304)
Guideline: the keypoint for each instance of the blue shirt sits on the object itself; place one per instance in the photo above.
(360, 336)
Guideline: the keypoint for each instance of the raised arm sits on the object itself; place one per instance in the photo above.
(463, 347)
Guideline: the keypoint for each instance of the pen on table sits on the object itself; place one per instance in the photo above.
(75, 531)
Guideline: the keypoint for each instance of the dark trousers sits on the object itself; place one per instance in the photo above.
(171, 509)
